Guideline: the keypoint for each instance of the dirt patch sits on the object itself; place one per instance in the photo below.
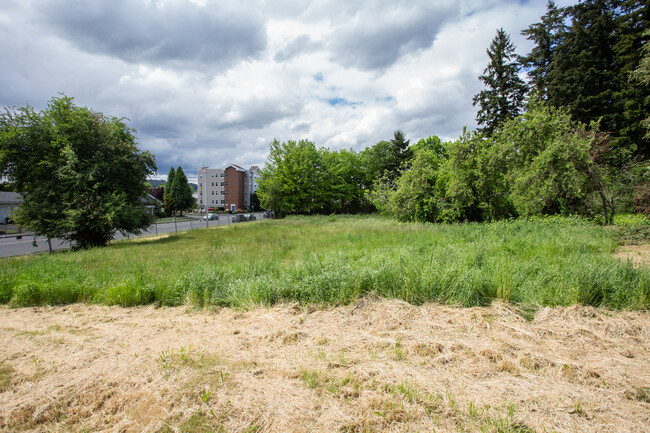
(639, 255)
(373, 366)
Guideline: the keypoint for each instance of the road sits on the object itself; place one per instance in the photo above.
(17, 245)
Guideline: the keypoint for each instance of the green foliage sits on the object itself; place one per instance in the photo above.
(432, 143)
(168, 200)
(376, 160)
(589, 71)
(414, 197)
(181, 192)
(474, 186)
(287, 183)
(541, 262)
(302, 179)
(402, 153)
(642, 76)
(503, 99)
(538, 163)
(79, 172)
(546, 35)
(178, 193)
(583, 76)
(547, 159)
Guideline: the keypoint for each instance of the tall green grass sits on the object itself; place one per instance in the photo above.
(329, 261)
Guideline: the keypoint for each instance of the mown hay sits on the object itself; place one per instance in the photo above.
(377, 365)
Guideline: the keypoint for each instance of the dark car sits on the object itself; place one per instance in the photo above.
(239, 218)
(268, 214)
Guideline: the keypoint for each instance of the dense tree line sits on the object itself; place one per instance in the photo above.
(540, 162)
(571, 140)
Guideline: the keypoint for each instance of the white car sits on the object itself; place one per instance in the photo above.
(211, 217)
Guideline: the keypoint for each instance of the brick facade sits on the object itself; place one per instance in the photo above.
(234, 178)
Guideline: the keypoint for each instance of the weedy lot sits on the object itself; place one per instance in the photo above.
(375, 365)
(334, 261)
(332, 324)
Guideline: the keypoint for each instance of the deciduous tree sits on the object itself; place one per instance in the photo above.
(79, 172)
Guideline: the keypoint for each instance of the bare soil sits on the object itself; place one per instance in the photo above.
(377, 365)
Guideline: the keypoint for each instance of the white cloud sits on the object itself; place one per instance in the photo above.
(209, 82)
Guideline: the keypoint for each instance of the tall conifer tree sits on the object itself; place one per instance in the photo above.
(584, 73)
(504, 96)
(401, 153)
(546, 35)
(632, 40)
(168, 200)
(181, 192)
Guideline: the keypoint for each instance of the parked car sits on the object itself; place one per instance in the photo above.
(250, 217)
(268, 214)
(239, 218)
(211, 217)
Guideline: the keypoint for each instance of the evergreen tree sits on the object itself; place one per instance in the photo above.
(584, 73)
(504, 97)
(642, 75)
(546, 35)
(181, 192)
(401, 153)
(632, 39)
(590, 74)
(168, 201)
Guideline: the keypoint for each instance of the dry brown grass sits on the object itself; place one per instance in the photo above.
(639, 255)
(374, 366)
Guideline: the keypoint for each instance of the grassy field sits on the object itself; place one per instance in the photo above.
(336, 260)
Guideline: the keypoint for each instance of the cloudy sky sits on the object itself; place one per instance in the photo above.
(213, 82)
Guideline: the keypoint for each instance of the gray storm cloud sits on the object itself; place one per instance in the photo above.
(138, 31)
(377, 38)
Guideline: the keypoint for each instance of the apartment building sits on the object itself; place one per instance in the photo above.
(221, 189)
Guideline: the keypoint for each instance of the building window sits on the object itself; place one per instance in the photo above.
(226, 192)
(226, 183)
(221, 201)
(221, 174)
(221, 183)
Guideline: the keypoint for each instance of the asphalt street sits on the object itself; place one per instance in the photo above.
(17, 245)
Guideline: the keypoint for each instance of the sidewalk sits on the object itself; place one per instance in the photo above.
(11, 230)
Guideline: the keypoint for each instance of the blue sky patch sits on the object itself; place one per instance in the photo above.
(340, 101)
